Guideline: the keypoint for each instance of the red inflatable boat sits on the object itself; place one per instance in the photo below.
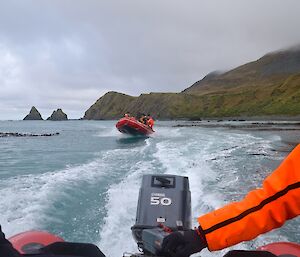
(282, 249)
(44, 244)
(31, 241)
(133, 127)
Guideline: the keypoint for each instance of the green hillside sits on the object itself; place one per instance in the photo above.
(268, 86)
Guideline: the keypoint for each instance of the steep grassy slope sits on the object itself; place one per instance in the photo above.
(268, 86)
(111, 105)
(271, 69)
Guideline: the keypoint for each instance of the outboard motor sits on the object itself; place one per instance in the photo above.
(164, 202)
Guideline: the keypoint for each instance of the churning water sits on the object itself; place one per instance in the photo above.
(83, 184)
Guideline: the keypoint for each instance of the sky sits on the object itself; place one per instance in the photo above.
(68, 53)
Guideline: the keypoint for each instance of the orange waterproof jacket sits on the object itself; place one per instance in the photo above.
(150, 123)
(260, 211)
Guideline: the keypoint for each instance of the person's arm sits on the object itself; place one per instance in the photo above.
(6, 248)
(260, 211)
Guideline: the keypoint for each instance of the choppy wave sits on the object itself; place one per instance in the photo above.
(25, 199)
(222, 166)
(198, 156)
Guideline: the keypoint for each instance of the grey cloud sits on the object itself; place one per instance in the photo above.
(66, 53)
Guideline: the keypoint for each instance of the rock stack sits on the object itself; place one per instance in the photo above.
(58, 115)
(33, 115)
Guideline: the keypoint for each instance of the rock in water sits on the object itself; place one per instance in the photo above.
(33, 115)
(16, 134)
(58, 115)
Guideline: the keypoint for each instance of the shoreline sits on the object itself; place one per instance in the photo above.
(290, 139)
(288, 131)
(242, 124)
(255, 118)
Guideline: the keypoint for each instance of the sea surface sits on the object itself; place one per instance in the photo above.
(83, 183)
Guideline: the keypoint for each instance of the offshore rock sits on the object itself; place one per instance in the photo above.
(33, 115)
(58, 115)
(16, 134)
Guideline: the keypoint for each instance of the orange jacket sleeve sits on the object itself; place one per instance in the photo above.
(260, 211)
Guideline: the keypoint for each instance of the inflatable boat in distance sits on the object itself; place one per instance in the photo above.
(130, 126)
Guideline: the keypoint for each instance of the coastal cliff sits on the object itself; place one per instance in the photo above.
(111, 105)
(268, 86)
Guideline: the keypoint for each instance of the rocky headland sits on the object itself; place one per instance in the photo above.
(267, 87)
(58, 115)
(33, 115)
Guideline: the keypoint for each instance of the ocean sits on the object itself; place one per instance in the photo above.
(83, 184)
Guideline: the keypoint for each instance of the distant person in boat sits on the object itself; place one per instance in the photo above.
(260, 211)
(127, 115)
(150, 121)
(143, 119)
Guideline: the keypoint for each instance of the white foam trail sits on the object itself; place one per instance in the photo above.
(167, 132)
(189, 160)
(25, 198)
(193, 159)
(184, 156)
(108, 132)
(116, 237)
